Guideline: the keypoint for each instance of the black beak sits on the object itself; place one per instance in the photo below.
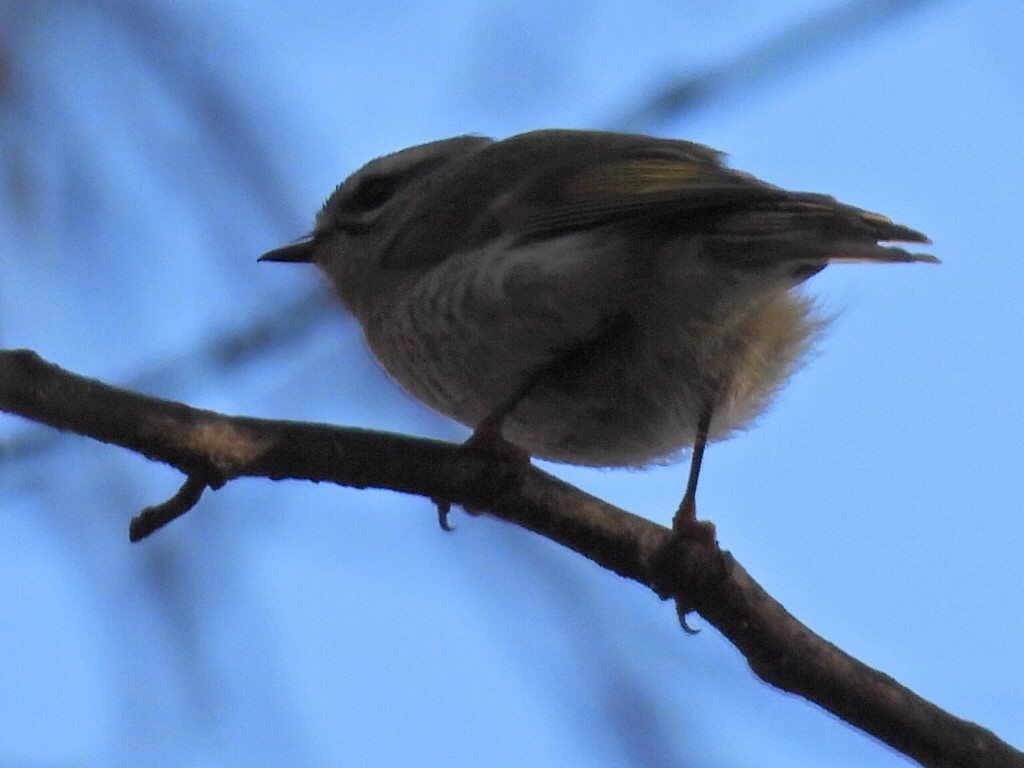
(296, 253)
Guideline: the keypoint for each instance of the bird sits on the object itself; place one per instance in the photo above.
(587, 297)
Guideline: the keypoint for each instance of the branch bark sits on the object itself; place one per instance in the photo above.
(212, 449)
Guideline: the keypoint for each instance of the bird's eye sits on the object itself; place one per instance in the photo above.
(371, 193)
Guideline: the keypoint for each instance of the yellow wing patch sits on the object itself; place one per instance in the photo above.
(635, 177)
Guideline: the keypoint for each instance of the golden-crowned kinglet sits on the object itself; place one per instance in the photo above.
(593, 298)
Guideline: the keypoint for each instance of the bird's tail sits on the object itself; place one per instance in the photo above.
(812, 231)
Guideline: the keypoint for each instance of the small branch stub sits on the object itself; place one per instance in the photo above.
(153, 518)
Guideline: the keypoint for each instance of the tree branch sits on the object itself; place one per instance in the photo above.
(211, 449)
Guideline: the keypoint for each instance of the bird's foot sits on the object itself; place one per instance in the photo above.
(487, 438)
(686, 525)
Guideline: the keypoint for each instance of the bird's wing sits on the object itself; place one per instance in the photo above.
(680, 188)
(740, 218)
(533, 187)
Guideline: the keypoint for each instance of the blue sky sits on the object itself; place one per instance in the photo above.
(151, 153)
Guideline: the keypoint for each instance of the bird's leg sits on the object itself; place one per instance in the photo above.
(688, 507)
(487, 437)
(685, 522)
(487, 434)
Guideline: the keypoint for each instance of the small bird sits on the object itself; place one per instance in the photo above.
(589, 297)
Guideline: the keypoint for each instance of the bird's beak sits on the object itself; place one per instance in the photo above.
(300, 252)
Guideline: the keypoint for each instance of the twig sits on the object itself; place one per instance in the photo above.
(153, 518)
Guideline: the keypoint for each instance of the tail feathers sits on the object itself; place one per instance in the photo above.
(812, 230)
(860, 253)
(826, 213)
(889, 231)
(804, 253)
